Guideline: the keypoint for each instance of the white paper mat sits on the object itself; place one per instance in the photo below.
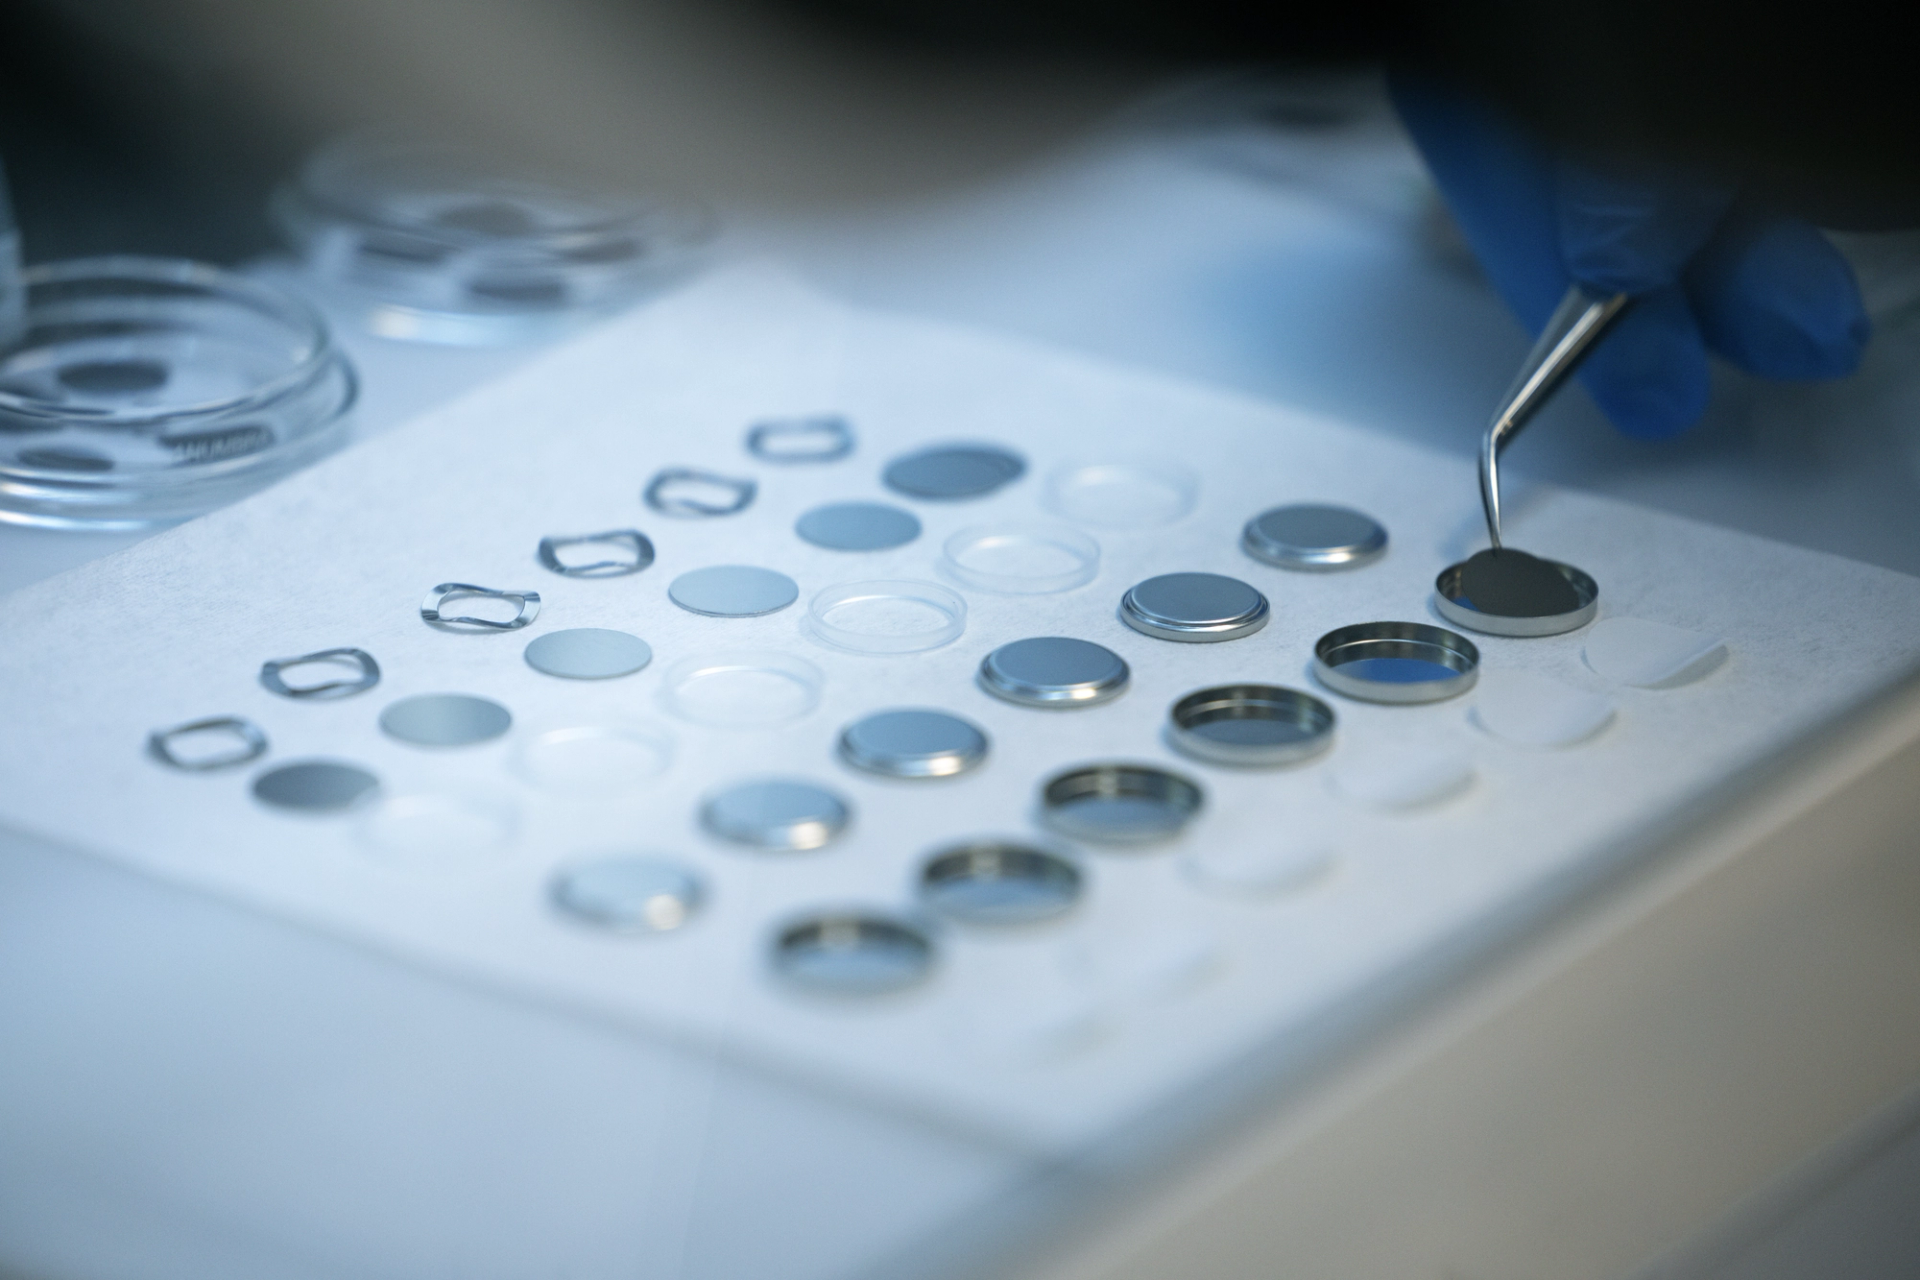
(1046, 1037)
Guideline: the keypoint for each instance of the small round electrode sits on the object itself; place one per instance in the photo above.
(998, 882)
(947, 473)
(913, 743)
(314, 786)
(858, 526)
(733, 591)
(1511, 593)
(776, 813)
(1314, 537)
(629, 894)
(588, 653)
(1194, 608)
(852, 953)
(1054, 671)
(1397, 662)
(445, 720)
(1119, 803)
(1250, 724)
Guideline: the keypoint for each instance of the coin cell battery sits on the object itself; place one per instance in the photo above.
(629, 894)
(912, 743)
(1511, 593)
(1396, 662)
(776, 813)
(1054, 671)
(1194, 608)
(1314, 538)
(1250, 724)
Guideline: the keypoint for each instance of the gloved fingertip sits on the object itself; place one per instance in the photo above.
(1776, 298)
(1649, 374)
(1643, 411)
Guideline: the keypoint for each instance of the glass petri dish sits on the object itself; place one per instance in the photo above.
(1021, 559)
(145, 390)
(445, 244)
(1141, 493)
(887, 616)
(1250, 724)
(999, 882)
(742, 689)
(1396, 662)
(1120, 803)
(1510, 593)
(852, 953)
(733, 591)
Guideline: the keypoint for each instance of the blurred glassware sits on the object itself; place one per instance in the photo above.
(145, 390)
(440, 244)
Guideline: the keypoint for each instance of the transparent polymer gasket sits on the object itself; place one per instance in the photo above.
(439, 830)
(208, 744)
(887, 616)
(1396, 662)
(1511, 593)
(1314, 537)
(445, 720)
(953, 472)
(852, 952)
(913, 742)
(1137, 493)
(825, 437)
(314, 786)
(593, 759)
(858, 526)
(733, 591)
(432, 609)
(629, 893)
(1054, 672)
(366, 674)
(588, 653)
(776, 813)
(1250, 725)
(1194, 608)
(693, 494)
(999, 882)
(1021, 559)
(633, 552)
(1121, 804)
(742, 689)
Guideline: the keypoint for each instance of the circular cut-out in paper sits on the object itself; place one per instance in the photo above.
(314, 786)
(776, 813)
(1194, 607)
(1314, 537)
(594, 760)
(742, 689)
(629, 893)
(852, 953)
(1396, 778)
(955, 471)
(588, 653)
(1282, 862)
(995, 882)
(1137, 494)
(1054, 671)
(1119, 803)
(858, 526)
(913, 743)
(733, 591)
(1021, 559)
(1649, 654)
(445, 720)
(441, 831)
(887, 616)
(1532, 710)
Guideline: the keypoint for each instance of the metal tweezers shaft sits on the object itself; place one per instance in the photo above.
(1575, 326)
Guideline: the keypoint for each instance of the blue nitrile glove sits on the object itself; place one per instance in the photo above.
(1767, 292)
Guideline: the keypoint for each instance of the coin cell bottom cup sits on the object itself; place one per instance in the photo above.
(1119, 804)
(449, 831)
(1396, 662)
(1511, 593)
(1250, 725)
(776, 813)
(852, 953)
(999, 883)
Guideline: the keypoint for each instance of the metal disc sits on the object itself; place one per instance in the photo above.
(314, 786)
(1054, 671)
(776, 813)
(733, 591)
(858, 526)
(445, 720)
(588, 653)
(1396, 662)
(948, 472)
(996, 882)
(1511, 593)
(852, 953)
(1194, 607)
(1314, 537)
(1250, 724)
(631, 894)
(1120, 803)
(913, 744)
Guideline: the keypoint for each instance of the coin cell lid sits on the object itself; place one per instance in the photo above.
(632, 551)
(819, 438)
(1054, 671)
(1021, 559)
(1396, 662)
(858, 526)
(733, 591)
(366, 674)
(999, 883)
(852, 953)
(912, 743)
(946, 473)
(1194, 607)
(1119, 803)
(433, 609)
(1510, 593)
(887, 616)
(1315, 538)
(1250, 724)
(776, 813)
(629, 894)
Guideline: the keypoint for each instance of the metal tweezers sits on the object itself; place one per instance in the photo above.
(1577, 323)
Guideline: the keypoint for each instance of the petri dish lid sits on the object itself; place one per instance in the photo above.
(776, 813)
(887, 616)
(913, 743)
(858, 526)
(1510, 593)
(1396, 662)
(1021, 559)
(1120, 803)
(733, 591)
(629, 893)
(1194, 607)
(949, 472)
(1054, 671)
(1314, 537)
(852, 952)
(1250, 724)
(999, 882)
(1137, 493)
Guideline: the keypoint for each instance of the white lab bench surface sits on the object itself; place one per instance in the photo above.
(1654, 1082)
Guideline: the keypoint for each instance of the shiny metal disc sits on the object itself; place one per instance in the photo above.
(1194, 607)
(776, 813)
(858, 526)
(949, 472)
(1314, 537)
(1120, 803)
(1396, 662)
(913, 743)
(628, 893)
(733, 591)
(445, 720)
(852, 953)
(1054, 671)
(313, 786)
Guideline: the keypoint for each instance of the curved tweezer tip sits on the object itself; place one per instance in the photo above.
(1576, 325)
